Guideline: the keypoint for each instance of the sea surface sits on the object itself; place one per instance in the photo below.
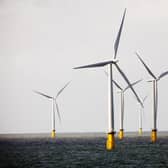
(83, 151)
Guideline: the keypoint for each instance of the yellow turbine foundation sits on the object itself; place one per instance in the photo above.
(53, 134)
(154, 135)
(140, 131)
(110, 143)
(121, 134)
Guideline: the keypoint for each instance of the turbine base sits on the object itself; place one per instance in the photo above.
(110, 143)
(121, 134)
(53, 134)
(140, 131)
(154, 135)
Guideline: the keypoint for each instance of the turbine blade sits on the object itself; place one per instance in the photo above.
(62, 89)
(162, 75)
(95, 65)
(115, 83)
(116, 44)
(144, 99)
(42, 94)
(147, 68)
(128, 82)
(132, 84)
(58, 113)
(106, 73)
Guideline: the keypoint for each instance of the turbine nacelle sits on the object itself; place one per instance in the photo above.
(115, 61)
(151, 80)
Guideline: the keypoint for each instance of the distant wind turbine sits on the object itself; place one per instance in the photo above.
(140, 115)
(155, 97)
(110, 143)
(54, 107)
(122, 92)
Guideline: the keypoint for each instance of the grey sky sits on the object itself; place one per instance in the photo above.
(41, 41)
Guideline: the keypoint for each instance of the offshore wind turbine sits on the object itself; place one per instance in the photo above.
(140, 116)
(122, 92)
(54, 107)
(155, 97)
(110, 143)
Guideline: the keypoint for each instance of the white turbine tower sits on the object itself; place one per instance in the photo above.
(155, 97)
(122, 92)
(54, 107)
(110, 144)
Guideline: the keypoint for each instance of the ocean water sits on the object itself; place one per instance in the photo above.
(82, 151)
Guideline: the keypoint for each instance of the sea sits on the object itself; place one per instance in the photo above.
(82, 150)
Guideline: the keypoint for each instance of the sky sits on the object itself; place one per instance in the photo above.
(42, 40)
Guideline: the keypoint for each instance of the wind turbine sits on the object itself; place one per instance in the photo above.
(140, 116)
(110, 143)
(54, 107)
(122, 92)
(155, 97)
